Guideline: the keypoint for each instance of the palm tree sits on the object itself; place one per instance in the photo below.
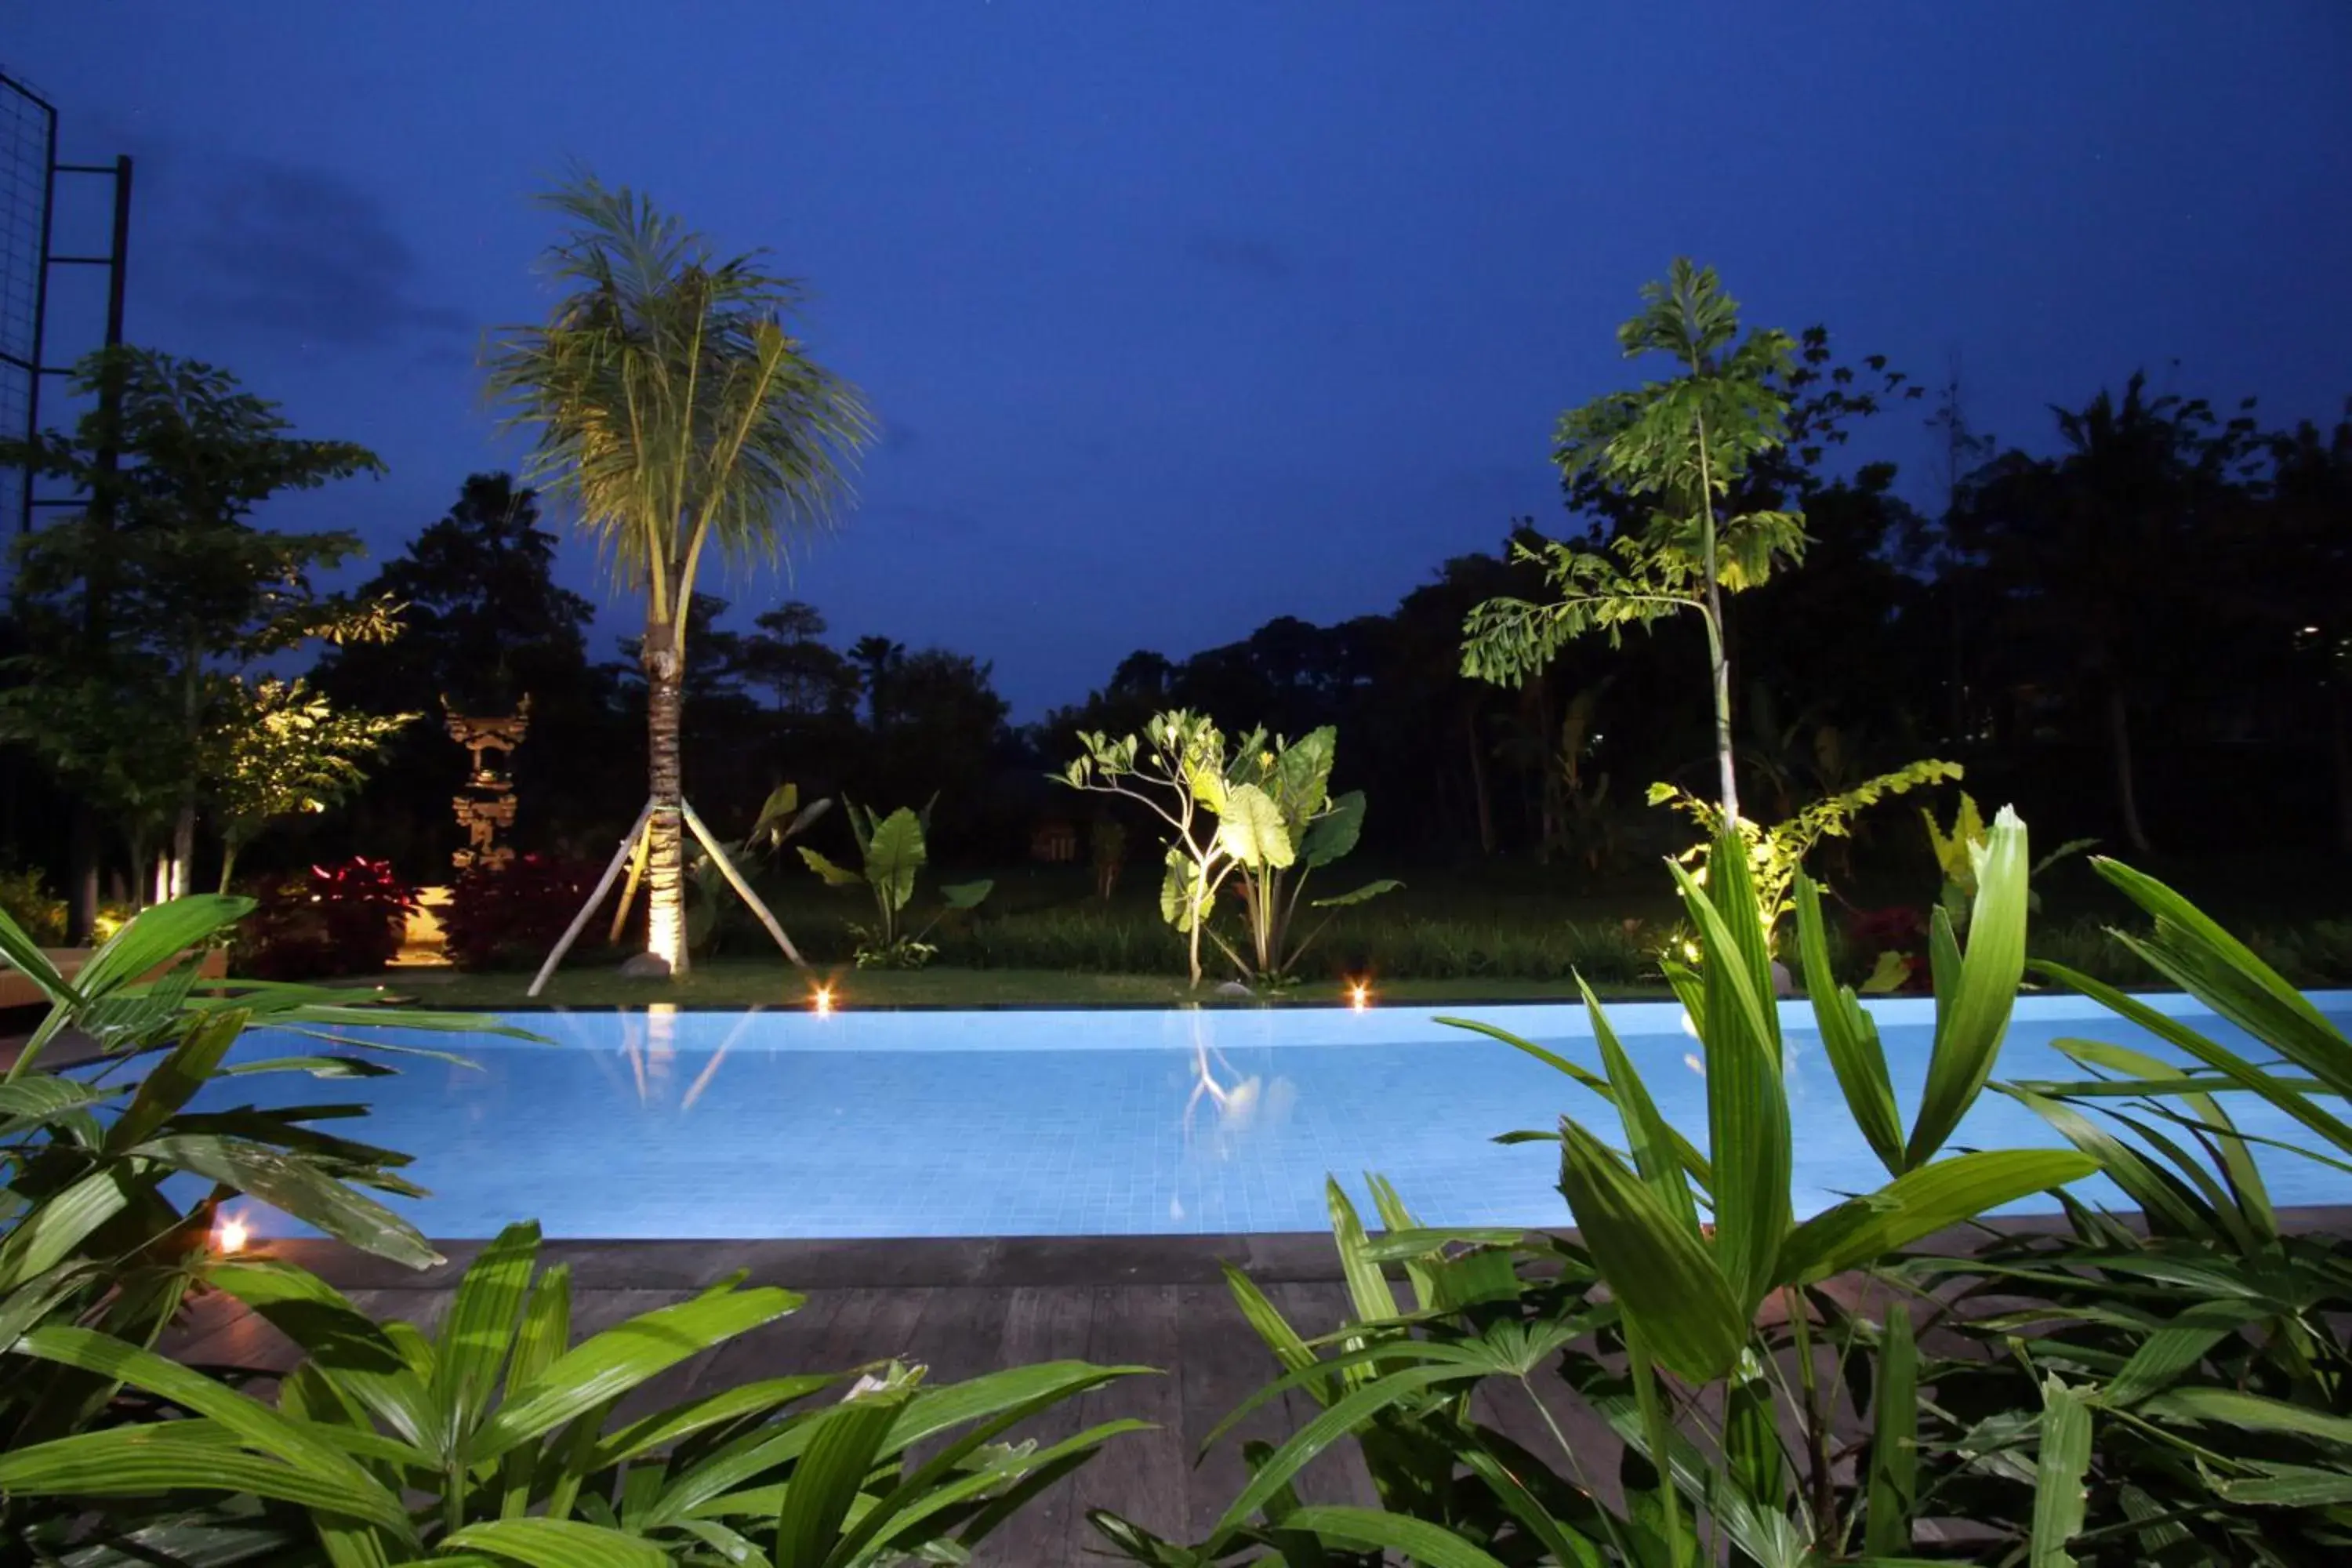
(674, 411)
(878, 658)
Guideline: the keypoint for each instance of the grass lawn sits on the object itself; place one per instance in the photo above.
(756, 982)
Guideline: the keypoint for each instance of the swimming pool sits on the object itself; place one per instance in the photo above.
(699, 1124)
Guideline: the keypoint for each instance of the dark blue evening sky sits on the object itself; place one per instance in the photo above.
(1183, 315)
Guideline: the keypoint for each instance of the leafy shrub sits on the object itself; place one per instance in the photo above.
(24, 896)
(890, 852)
(346, 918)
(94, 1244)
(1689, 1315)
(514, 916)
(496, 1440)
(2319, 954)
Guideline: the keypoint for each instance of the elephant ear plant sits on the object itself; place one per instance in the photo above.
(891, 851)
(1259, 810)
(782, 818)
(1279, 822)
(1713, 1336)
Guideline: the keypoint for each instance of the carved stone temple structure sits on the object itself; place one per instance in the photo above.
(487, 806)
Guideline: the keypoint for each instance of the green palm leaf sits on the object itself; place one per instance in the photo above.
(1975, 994)
(1664, 1276)
(1920, 1203)
(1375, 1529)
(607, 1365)
(556, 1543)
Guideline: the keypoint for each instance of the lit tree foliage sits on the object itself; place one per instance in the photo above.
(275, 748)
(1679, 447)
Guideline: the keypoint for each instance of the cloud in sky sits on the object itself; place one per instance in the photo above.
(312, 255)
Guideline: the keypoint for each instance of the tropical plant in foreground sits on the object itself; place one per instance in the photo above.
(1728, 1347)
(92, 1242)
(891, 851)
(671, 407)
(2204, 1345)
(498, 1439)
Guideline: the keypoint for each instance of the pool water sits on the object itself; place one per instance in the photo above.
(694, 1124)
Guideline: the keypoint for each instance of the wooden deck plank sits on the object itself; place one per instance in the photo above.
(1220, 1362)
(1140, 1477)
(1044, 1322)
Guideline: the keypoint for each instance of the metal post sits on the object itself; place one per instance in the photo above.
(119, 265)
(40, 292)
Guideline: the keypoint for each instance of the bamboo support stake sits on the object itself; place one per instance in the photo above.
(603, 886)
(629, 889)
(742, 889)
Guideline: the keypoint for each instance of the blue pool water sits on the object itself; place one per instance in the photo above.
(692, 1124)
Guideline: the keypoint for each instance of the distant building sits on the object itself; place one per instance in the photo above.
(1055, 842)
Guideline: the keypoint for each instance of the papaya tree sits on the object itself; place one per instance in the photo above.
(1679, 449)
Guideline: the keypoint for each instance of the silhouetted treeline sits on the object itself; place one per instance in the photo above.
(2144, 635)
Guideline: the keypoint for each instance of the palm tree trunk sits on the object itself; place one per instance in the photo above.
(2120, 752)
(665, 841)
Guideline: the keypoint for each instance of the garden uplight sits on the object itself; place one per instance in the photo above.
(230, 1234)
(821, 1000)
(1360, 996)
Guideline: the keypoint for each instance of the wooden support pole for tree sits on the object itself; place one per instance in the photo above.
(603, 885)
(629, 889)
(742, 889)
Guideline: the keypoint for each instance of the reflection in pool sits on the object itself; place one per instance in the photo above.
(692, 1124)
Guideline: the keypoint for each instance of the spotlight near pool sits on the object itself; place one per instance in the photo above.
(229, 1235)
(1359, 995)
(821, 1000)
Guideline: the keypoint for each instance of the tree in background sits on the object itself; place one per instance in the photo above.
(140, 609)
(484, 625)
(788, 658)
(671, 407)
(2101, 558)
(1676, 447)
(276, 749)
(2305, 597)
(876, 660)
(483, 622)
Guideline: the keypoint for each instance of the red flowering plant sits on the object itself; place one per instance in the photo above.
(1892, 941)
(345, 918)
(515, 914)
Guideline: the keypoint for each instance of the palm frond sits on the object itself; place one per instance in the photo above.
(668, 401)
